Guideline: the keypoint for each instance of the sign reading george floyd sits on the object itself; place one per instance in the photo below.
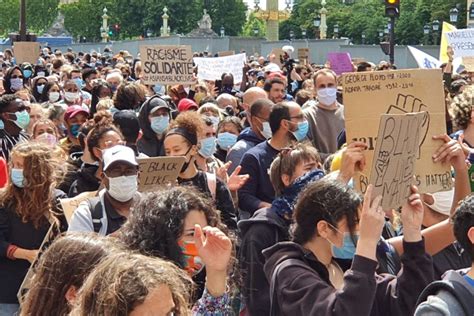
(158, 171)
(396, 150)
(368, 95)
(167, 64)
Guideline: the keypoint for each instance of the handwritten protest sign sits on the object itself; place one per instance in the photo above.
(462, 42)
(69, 205)
(303, 55)
(158, 171)
(167, 64)
(276, 56)
(26, 52)
(369, 95)
(340, 62)
(51, 235)
(395, 154)
(212, 68)
(226, 53)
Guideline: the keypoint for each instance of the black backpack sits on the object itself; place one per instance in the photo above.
(456, 289)
(95, 207)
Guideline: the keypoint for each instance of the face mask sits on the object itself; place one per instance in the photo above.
(74, 130)
(113, 88)
(2, 125)
(215, 120)
(54, 97)
(192, 262)
(47, 138)
(41, 74)
(348, 249)
(186, 164)
(123, 188)
(17, 177)
(27, 73)
(208, 147)
(40, 88)
(22, 119)
(159, 124)
(71, 96)
(79, 83)
(327, 96)
(226, 140)
(442, 202)
(158, 89)
(227, 89)
(16, 84)
(302, 131)
(267, 131)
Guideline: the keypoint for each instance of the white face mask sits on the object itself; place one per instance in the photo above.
(123, 188)
(327, 96)
(54, 96)
(442, 202)
(267, 131)
(71, 96)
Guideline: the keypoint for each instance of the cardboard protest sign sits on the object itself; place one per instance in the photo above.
(462, 42)
(158, 171)
(69, 205)
(368, 95)
(51, 235)
(396, 150)
(468, 63)
(276, 56)
(340, 62)
(169, 65)
(303, 55)
(26, 52)
(212, 68)
(226, 53)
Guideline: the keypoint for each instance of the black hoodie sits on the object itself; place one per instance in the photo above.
(264, 229)
(149, 144)
(306, 290)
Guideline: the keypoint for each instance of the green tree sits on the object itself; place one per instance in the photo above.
(253, 24)
(231, 14)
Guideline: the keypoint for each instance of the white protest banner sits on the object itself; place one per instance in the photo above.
(395, 155)
(369, 95)
(462, 42)
(424, 60)
(69, 205)
(213, 68)
(169, 65)
(158, 171)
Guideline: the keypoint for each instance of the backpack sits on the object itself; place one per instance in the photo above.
(455, 288)
(273, 282)
(95, 207)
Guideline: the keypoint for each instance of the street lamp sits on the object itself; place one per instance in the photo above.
(363, 37)
(435, 26)
(386, 30)
(288, 4)
(426, 31)
(292, 35)
(336, 31)
(453, 15)
(222, 31)
(255, 31)
(303, 32)
(317, 21)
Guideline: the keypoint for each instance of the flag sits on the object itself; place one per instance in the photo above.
(443, 48)
(424, 60)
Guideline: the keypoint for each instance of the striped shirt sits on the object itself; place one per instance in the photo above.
(7, 142)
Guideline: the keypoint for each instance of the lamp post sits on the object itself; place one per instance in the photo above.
(323, 27)
(363, 38)
(222, 31)
(292, 35)
(255, 31)
(317, 24)
(453, 15)
(426, 32)
(336, 31)
(381, 35)
(104, 30)
(303, 32)
(435, 26)
(165, 29)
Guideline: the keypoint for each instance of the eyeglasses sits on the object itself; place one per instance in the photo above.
(119, 172)
(16, 77)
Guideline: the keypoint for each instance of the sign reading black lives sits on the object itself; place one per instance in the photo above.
(169, 65)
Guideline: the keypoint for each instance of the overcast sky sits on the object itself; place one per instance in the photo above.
(251, 4)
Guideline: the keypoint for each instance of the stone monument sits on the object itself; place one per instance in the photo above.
(204, 27)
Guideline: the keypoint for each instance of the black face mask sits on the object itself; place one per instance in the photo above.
(186, 164)
(227, 88)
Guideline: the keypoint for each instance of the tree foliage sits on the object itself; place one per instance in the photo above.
(253, 24)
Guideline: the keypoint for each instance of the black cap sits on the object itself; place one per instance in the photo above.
(127, 121)
(156, 103)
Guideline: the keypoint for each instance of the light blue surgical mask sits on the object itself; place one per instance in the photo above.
(159, 124)
(17, 177)
(348, 249)
(226, 140)
(22, 119)
(302, 131)
(159, 89)
(208, 147)
(74, 130)
(79, 83)
(40, 88)
(27, 73)
(267, 131)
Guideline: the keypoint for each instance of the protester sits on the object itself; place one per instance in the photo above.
(227, 133)
(74, 117)
(29, 206)
(14, 119)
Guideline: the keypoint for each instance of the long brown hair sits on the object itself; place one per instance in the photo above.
(66, 263)
(122, 282)
(34, 202)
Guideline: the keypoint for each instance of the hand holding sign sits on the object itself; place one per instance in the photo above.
(412, 216)
(450, 152)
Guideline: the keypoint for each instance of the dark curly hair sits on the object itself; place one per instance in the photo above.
(463, 221)
(129, 96)
(157, 221)
(462, 108)
(103, 123)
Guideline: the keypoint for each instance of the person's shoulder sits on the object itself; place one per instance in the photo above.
(442, 304)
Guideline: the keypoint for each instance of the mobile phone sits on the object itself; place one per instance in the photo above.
(218, 85)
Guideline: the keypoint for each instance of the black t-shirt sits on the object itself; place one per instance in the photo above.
(223, 199)
(452, 257)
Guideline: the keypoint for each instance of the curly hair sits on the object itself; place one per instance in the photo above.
(66, 263)
(157, 221)
(122, 282)
(129, 96)
(103, 123)
(190, 121)
(34, 202)
(462, 108)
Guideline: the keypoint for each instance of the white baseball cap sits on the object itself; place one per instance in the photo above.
(119, 153)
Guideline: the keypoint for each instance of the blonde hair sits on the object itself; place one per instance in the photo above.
(210, 107)
(123, 281)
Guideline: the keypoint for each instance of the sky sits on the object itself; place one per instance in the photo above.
(251, 4)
